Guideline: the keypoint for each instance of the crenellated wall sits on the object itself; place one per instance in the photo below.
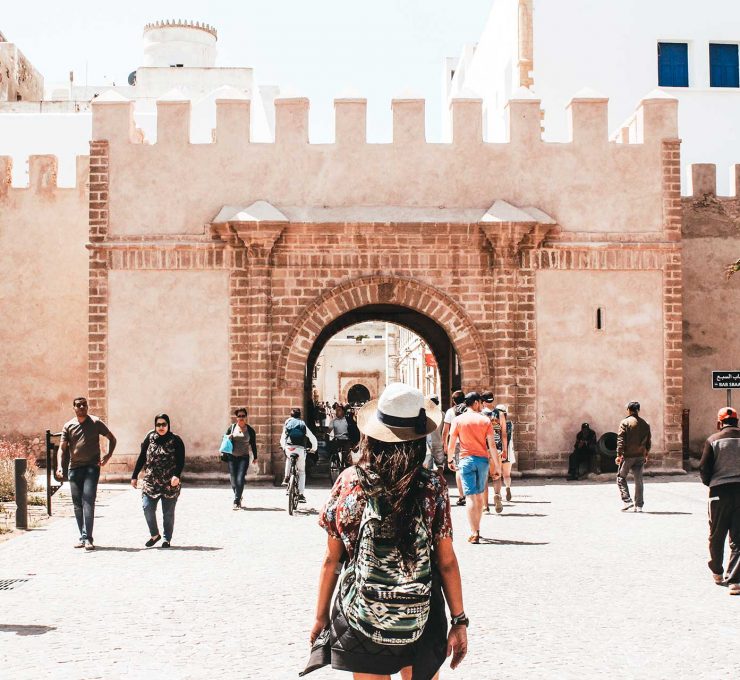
(43, 288)
(147, 301)
(590, 184)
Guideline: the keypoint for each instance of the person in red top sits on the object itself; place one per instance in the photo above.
(474, 431)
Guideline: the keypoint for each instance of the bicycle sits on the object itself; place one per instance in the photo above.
(293, 484)
(340, 451)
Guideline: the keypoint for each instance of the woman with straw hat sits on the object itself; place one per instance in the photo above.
(388, 520)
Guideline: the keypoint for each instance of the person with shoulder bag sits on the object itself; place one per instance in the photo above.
(388, 519)
(242, 438)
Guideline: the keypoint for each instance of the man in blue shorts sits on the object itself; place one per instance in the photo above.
(475, 433)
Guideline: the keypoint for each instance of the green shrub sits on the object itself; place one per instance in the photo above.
(9, 451)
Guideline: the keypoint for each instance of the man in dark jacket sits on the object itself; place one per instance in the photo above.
(720, 471)
(633, 447)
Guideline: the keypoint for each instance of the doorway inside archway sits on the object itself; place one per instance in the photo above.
(358, 394)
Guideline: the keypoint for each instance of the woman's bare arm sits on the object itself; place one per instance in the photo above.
(327, 582)
(457, 639)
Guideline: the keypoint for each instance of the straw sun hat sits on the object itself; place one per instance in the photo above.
(401, 414)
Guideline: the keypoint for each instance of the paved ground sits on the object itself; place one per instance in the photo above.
(566, 587)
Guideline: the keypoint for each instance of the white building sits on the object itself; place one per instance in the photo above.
(178, 62)
(417, 365)
(622, 48)
(352, 366)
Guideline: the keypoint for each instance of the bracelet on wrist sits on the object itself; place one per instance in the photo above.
(460, 620)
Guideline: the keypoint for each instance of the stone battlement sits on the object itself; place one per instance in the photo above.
(704, 180)
(42, 175)
(588, 184)
(657, 120)
(179, 23)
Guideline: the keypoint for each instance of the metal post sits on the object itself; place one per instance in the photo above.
(729, 398)
(49, 473)
(21, 493)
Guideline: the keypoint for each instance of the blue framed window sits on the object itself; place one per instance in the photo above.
(673, 64)
(723, 66)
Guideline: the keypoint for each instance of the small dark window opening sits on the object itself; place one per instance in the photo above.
(452, 73)
(599, 320)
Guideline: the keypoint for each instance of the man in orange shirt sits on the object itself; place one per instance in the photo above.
(475, 433)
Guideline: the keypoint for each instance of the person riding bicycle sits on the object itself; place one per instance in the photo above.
(340, 439)
(293, 442)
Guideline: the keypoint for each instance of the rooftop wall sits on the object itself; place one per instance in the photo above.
(588, 184)
(18, 77)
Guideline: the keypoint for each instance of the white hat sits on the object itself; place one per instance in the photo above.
(401, 414)
(502, 407)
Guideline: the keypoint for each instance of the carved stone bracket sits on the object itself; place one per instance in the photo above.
(256, 229)
(509, 239)
(510, 230)
(258, 238)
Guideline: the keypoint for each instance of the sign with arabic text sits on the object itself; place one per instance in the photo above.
(726, 380)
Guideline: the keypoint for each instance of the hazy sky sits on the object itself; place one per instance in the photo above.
(314, 48)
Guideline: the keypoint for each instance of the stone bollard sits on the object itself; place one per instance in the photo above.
(21, 493)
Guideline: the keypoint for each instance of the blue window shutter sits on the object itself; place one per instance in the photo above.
(673, 64)
(723, 66)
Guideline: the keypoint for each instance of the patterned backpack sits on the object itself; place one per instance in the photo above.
(378, 597)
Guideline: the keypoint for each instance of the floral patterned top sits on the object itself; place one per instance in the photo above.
(342, 513)
(162, 458)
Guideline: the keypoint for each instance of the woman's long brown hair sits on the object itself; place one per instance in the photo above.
(398, 467)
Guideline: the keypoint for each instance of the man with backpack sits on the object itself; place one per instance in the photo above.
(720, 471)
(293, 441)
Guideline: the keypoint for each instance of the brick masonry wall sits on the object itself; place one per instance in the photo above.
(477, 281)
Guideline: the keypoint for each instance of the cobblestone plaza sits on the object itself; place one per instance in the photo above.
(564, 586)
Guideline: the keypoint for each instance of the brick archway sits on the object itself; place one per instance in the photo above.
(390, 290)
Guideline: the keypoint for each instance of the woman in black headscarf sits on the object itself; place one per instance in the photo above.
(163, 458)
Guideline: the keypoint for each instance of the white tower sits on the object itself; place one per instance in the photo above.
(180, 43)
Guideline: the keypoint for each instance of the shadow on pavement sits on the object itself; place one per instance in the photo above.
(202, 548)
(264, 509)
(516, 501)
(307, 511)
(116, 548)
(521, 514)
(654, 512)
(25, 630)
(501, 541)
